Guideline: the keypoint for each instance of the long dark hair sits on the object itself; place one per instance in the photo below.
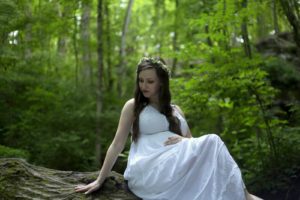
(164, 95)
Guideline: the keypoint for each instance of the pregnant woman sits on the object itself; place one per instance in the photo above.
(165, 162)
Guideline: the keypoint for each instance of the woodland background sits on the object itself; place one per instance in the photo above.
(67, 68)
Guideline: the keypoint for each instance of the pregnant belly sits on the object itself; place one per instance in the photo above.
(152, 142)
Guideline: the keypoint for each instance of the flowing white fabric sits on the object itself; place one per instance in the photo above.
(193, 169)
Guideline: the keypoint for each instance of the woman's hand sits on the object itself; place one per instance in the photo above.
(87, 189)
(173, 140)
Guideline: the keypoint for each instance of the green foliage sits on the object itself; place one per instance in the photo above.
(48, 102)
(8, 152)
(8, 10)
(233, 97)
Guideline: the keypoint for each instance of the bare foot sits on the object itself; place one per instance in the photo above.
(252, 197)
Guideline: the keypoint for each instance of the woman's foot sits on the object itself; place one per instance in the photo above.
(251, 196)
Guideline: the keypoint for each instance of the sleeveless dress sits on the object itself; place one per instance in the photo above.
(192, 169)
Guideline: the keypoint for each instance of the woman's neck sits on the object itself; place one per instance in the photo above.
(154, 102)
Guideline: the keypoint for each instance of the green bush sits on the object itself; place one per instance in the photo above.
(8, 152)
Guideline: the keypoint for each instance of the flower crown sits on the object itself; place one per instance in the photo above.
(157, 62)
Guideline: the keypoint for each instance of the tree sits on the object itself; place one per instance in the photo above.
(99, 89)
(292, 12)
(275, 16)
(175, 36)
(108, 47)
(121, 68)
(85, 33)
(25, 181)
(245, 35)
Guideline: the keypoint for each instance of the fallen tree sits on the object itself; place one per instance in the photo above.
(21, 180)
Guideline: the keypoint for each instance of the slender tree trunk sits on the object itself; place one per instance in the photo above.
(209, 41)
(224, 28)
(75, 49)
(275, 17)
(61, 47)
(62, 40)
(28, 33)
(245, 34)
(270, 135)
(157, 19)
(87, 70)
(291, 10)
(121, 68)
(261, 22)
(109, 77)
(99, 79)
(175, 46)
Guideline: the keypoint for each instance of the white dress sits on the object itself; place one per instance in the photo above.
(192, 169)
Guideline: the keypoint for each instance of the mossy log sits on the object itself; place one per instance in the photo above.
(21, 180)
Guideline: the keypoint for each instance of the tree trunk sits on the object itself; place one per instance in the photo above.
(157, 20)
(245, 34)
(275, 17)
(224, 42)
(28, 33)
(109, 77)
(175, 37)
(291, 10)
(261, 22)
(62, 39)
(20, 180)
(75, 49)
(99, 92)
(121, 68)
(209, 41)
(87, 70)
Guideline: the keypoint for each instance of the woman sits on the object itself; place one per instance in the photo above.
(165, 162)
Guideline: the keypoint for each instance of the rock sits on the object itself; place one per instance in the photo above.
(21, 180)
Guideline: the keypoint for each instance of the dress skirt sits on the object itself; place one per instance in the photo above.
(192, 169)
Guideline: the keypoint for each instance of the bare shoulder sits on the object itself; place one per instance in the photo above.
(130, 102)
(129, 105)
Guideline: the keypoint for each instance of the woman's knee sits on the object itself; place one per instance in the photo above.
(214, 137)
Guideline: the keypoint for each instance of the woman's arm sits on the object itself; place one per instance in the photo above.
(114, 149)
(177, 138)
(188, 134)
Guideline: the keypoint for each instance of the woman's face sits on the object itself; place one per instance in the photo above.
(149, 83)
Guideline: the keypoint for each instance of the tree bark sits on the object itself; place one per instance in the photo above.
(28, 33)
(75, 47)
(85, 44)
(62, 39)
(260, 21)
(109, 76)
(21, 180)
(209, 41)
(245, 35)
(99, 91)
(175, 37)
(291, 10)
(157, 20)
(123, 47)
(224, 42)
(275, 17)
